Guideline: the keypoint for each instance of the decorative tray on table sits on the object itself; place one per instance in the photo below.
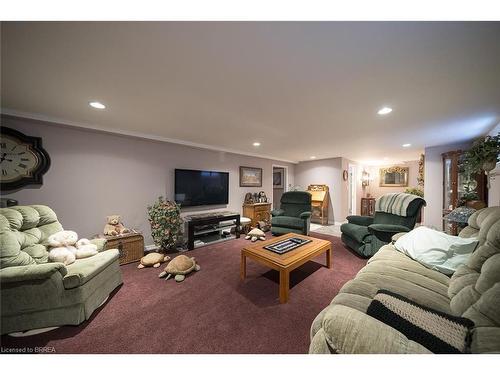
(287, 245)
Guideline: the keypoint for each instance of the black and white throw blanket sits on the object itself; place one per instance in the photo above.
(435, 330)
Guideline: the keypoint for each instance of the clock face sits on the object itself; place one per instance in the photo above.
(17, 160)
(23, 161)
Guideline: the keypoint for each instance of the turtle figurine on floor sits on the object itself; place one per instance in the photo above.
(179, 267)
(153, 260)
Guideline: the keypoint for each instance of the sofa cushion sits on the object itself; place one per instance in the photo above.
(84, 270)
(391, 270)
(288, 222)
(29, 228)
(355, 231)
(10, 250)
(482, 270)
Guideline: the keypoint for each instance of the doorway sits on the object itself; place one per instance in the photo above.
(280, 183)
(352, 189)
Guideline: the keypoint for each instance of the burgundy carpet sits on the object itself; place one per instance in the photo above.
(211, 311)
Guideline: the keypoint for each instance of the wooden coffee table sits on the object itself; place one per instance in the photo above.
(285, 263)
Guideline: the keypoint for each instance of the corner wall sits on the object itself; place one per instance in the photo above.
(328, 172)
(95, 174)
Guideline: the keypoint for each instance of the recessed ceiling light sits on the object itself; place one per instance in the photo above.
(97, 105)
(407, 145)
(384, 111)
(256, 144)
(313, 157)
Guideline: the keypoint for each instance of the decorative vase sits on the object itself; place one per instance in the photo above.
(489, 165)
(475, 204)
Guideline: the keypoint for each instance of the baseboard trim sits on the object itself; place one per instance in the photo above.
(151, 248)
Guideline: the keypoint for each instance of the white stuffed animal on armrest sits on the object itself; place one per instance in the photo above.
(66, 248)
(85, 249)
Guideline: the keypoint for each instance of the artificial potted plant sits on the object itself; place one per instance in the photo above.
(165, 220)
(482, 156)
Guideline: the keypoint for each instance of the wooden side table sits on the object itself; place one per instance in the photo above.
(257, 212)
(367, 206)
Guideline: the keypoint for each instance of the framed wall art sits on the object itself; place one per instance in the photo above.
(250, 177)
(394, 176)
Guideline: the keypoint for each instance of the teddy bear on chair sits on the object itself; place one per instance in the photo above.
(114, 226)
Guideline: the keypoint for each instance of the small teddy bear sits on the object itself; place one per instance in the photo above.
(114, 226)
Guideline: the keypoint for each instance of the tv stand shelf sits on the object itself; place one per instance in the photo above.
(209, 227)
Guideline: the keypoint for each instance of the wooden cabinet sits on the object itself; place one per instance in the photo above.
(455, 186)
(319, 203)
(257, 212)
(130, 246)
(367, 206)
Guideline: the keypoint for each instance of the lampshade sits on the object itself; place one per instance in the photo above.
(460, 215)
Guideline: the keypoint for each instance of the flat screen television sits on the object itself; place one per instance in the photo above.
(200, 188)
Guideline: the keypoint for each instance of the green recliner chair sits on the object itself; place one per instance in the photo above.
(35, 293)
(394, 213)
(294, 214)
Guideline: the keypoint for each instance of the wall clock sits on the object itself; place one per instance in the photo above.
(345, 175)
(23, 161)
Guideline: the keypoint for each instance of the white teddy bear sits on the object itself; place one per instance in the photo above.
(66, 247)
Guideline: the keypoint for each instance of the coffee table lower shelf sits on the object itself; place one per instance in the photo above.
(285, 263)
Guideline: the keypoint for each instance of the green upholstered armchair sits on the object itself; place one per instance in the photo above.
(367, 234)
(294, 214)
(36, 293)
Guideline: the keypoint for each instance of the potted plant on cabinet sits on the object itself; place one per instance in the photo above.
(482, 156)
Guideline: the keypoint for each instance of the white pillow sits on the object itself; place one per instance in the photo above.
(436, 250)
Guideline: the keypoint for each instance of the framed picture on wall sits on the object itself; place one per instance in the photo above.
(278, 179)
(394, 176)
(250, 177)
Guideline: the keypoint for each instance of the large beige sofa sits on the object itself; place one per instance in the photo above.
(472, 292)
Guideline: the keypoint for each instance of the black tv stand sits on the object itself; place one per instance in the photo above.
(205, 229)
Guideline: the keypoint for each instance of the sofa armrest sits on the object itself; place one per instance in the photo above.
(278, 212)
(31, 272)
(384, 232)
(360, 220)
(347, 330)
(305, 215)
(100, 243)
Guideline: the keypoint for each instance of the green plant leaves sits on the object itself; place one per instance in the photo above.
(166, 223)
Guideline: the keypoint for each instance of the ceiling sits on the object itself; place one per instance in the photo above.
(299, 88)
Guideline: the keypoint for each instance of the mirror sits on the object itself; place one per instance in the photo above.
(394, 176)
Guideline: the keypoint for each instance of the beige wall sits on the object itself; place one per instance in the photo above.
(95, 174)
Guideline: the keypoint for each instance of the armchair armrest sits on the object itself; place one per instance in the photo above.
(100, 243)
(305, 215)
(31, 272)
(384, 232)
(278, 212)
(360, 220)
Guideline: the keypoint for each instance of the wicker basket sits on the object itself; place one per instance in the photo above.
(130, 246)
